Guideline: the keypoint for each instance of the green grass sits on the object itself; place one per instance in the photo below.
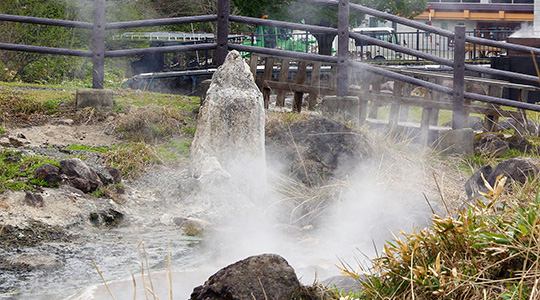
(19, 176)
(486, 252)
(100, 149)
(145, 98)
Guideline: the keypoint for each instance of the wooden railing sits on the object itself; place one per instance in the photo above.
(342, 65)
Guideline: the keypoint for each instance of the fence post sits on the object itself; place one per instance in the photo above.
(98, 45)
(343, 48)
(459, 78)
(223, 11)
(474, 46)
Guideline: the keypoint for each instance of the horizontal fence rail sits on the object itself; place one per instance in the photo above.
(161, 22)
(157, 50)
(45, 50)
(283, 24)
(44, 21)
(446, 39)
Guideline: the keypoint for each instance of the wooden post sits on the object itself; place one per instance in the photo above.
(300, 79)
(267, 76)
(283, 77)
(98, 45)
(343, 48)
(315, 82)
(223, 12)
(459, 78)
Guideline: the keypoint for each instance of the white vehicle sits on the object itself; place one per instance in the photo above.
(367, 49)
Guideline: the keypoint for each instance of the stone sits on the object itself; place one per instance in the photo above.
(512, 125)
(80, 175)
(81, 184)
(50, 174)
(520, 143)
(316, 150)
(13, 159)
(475, 184)
(115, 173)
(518, 169)
(459, 141)
(341, 108)
(492, 144)
(32, 199)
(107, 175)
(96, 98)
(191, 226)
(110, 217)
(230, 130)
(15, 142)
(34, 261)
(65, 122)
(266, 276)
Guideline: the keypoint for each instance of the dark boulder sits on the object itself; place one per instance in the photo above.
(266, 276)
(50, 174)
(80, 175)
(516, 169)
(492, 144)
(13, 159)
(32, 199)
(475, 184)
(115, 174)
(520, 143)
(316, 150)
(110, 217)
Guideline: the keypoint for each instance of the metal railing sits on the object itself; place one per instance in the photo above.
(221, 47)
(434, 44)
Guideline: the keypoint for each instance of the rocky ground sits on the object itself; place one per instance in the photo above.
(45, 246)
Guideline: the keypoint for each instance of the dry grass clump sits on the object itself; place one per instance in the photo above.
(131, 159)
(151, 124)
(486, 252)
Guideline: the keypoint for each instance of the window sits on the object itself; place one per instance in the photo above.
(444, 25)
(373, 22)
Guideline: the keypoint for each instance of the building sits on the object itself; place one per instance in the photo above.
(492, 19)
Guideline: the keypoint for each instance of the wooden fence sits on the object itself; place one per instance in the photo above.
(341, 65)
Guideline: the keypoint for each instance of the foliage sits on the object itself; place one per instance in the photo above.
(486, 252)
(33, 67)
(151, 124)
(18, 175)
(324, 15)
(32, 106)
(131, 159)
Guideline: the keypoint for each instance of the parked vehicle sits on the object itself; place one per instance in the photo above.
(387, 34)
(279, 38)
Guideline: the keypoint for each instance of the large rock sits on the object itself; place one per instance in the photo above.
(492, 144)
(316, 150)
(80, 175)
(48, 173)
(516, 169)
(266, 276)
(229, 141)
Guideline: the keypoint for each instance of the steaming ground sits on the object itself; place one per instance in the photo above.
(346, 219)
(384, 195)
(350, 223)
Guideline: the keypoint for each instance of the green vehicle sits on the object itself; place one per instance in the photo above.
(278, 38)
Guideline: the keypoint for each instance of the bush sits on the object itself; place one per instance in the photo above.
(486, 252)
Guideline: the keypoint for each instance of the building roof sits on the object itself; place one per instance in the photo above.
(479, 11)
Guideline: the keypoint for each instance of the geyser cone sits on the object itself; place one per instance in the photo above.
(229, 142)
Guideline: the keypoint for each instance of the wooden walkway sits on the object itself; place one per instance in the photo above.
(283, 75)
